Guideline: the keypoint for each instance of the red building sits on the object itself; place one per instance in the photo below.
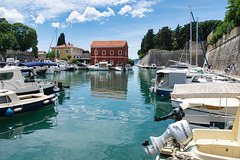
(113, 52)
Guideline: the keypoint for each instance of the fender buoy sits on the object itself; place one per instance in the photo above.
(9, 112)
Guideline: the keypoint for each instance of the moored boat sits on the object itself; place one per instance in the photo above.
(166, 78)
(101, 66)
(11, 104)
(22, 81)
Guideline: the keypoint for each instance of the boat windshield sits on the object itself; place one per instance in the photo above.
(102, 65)
(6, 76)
(5, 99)
(163, 79)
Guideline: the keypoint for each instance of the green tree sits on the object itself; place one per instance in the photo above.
(61, 39)
(5, 27)
(176, 36)
(130, 62)
(26, 37)
(69, 57)
(147, 42)
(51, 55)
(7, 41)
(232, 15)
(163, 39)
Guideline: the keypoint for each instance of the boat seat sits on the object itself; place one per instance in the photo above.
(221, 147)
(22, 97)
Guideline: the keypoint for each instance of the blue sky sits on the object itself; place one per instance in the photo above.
(84, 21)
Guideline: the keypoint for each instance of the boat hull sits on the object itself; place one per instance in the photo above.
(28, 106)
(163, 91)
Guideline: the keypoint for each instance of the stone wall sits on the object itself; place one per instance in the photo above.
(226, 51)
(162, 57)
(18, 55)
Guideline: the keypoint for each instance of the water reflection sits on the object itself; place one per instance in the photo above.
(146, 75)
(109, 84)
(79, 77)
(27, 123)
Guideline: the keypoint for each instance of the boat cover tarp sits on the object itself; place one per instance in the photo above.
(31, 64)
(206, 90)
(210, 103)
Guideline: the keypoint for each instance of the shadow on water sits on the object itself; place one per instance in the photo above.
(27, 123)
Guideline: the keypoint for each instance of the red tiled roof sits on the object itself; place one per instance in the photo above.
(66, 46)
(108, 43)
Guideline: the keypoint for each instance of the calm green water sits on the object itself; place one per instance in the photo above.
(104, 115)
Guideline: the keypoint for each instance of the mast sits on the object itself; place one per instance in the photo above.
(190, 36)
(56, 47)
(201, 43)
(197, 44)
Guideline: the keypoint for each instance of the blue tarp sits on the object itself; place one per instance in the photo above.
(31, 64)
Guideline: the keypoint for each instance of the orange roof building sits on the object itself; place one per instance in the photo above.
(113, 52)
(75, 52)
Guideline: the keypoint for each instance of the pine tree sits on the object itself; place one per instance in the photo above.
(61, 39)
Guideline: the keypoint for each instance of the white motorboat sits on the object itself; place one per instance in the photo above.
(11, 104)
(153, 66)
(166, 78)
(128, 67)
(210, 144)
(181, 142)
(118, 68)
(209, 104)
(12, 78)
(101, 66)
(70, 67)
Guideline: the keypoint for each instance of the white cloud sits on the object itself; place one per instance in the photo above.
(141, 8)
(64, 25)
(121, 2)
(140, 12)
(125, 10)
(40, 19)
(89, 14)
(11, 15)
(44, 10)
(56, 25)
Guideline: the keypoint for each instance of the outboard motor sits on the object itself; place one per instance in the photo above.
(180, 132)
(176, 114)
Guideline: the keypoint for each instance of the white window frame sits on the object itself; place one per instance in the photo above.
(66, 51)
(96, 52)
(119, 52)
(111, 52)
(103, 52)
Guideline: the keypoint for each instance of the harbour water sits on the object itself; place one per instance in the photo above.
(104, 115)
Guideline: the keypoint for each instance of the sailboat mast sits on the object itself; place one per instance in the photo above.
(56, 47)
(197, 44)
(190, 36)
(200, 42)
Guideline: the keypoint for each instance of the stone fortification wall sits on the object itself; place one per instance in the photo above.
(162, 57)
(226, 51)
